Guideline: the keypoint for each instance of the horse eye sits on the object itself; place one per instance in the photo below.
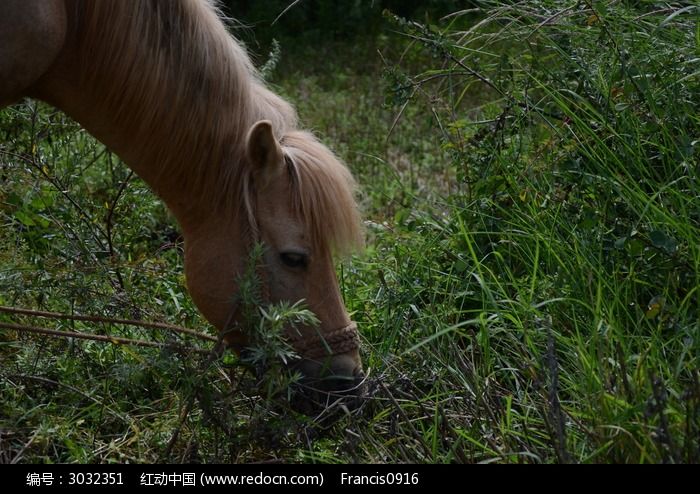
(294, 260)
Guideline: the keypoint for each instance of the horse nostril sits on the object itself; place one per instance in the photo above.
(334, 383)
(345, 364)
(336, 380)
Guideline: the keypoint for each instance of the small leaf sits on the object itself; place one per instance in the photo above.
(635, 247)
(655, 306)
(662, 241)
(24, 218)
(461, 266)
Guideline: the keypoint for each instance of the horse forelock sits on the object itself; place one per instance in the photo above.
(323, 192)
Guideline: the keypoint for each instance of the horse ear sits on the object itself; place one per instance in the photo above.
(263, 151)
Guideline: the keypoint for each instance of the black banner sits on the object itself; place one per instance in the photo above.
(308, 477)
(464, 478)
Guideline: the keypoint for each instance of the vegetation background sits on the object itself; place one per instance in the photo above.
(529, 176)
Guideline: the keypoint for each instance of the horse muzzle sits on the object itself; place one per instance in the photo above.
(331, 369)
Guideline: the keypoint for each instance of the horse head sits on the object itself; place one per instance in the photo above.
(298, 202)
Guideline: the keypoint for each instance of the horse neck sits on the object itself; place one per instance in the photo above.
(166, 88)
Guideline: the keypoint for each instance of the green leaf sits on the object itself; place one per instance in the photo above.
(24, 218)
(635, 247)
(655, 306)
(662, 241)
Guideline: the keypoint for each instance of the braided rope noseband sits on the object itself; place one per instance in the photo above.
(341, 340)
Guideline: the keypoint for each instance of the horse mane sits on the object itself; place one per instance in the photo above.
(323, 193)
(174, 67)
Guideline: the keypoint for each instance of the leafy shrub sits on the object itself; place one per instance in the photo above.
(571, 247)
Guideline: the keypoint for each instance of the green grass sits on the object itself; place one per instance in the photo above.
(530, 288)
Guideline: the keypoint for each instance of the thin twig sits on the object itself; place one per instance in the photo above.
(125, 322)
(555, 411)
(620, 57)
(83, 215)
(213, 354)
(45, 380)
(101, 338)
(184, 413)
(109, 225)
(20, 453)
(289, 7)
(416, 435)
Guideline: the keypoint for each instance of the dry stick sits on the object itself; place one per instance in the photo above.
(18, 456)
(213, 354)
(109, 226)
(44, 380)
(182, 417)
(555, 411)
(83, 215)
(126, 322)
(621, 58)
(416, 435)
(289, 7)
(101, 338)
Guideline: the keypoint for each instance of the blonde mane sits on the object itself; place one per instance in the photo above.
(173, 66)
(324, 193)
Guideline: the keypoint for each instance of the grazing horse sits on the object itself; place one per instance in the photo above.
(165, 86)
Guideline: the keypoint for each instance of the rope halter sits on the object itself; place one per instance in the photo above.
(320, 345)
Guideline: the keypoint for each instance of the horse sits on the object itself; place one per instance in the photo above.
(165, 86)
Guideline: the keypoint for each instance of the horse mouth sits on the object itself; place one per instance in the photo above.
(326, 377)
(329, 393)
(331, 371)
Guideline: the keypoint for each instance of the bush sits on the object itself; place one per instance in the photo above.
(569, 257)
